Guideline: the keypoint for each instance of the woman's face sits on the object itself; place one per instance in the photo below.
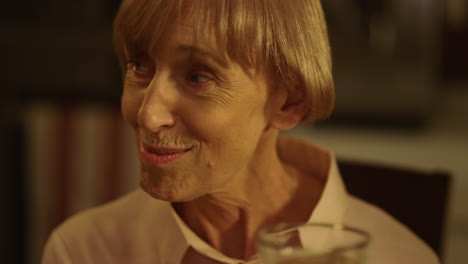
(198, 119)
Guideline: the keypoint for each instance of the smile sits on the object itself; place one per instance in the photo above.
(161, 156)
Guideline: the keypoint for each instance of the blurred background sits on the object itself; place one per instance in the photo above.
(401, 72)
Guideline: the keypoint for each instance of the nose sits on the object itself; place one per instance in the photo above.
(157, 109)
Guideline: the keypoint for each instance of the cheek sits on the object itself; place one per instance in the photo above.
(130, 106)
(206, 122)
(224, 131)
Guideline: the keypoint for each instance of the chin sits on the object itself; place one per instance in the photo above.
(167, 190)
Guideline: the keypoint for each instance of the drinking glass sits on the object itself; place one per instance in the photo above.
(316, 243)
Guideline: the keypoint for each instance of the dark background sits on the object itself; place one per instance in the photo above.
(53, 51)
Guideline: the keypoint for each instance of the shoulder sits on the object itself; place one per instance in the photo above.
(391, 241)
(103, 232)
(115, 214)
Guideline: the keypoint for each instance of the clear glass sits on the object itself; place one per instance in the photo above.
(312, 244)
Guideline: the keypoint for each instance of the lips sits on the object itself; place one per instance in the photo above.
(163, 151)
(161, 155)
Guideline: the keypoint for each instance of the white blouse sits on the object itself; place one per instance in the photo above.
(140, 229)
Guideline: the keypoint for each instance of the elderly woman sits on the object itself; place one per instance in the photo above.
(208, 85)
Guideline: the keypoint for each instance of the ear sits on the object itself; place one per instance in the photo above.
(289, 108)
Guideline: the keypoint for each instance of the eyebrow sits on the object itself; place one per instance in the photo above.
(202, 52)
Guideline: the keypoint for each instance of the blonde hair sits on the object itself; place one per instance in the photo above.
(287, 37)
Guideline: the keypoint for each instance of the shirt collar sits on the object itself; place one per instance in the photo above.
(332, 206)
(192, 240)
(318, 162)
(311, 159)
(171, 244)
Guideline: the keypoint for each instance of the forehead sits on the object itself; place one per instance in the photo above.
(142, 25)
(181, 34)
(180, 39)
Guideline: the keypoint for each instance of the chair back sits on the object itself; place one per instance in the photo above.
(416, 198)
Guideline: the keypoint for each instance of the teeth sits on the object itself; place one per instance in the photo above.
(162, 153)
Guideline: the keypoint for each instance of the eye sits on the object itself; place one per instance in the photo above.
(139, 66)
(139, 72)
(197, 78)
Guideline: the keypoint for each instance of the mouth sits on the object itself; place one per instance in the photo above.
(161, 155)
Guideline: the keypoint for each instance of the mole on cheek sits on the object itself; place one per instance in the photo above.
(210, 164)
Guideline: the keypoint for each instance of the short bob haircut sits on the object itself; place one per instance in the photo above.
(287, 37)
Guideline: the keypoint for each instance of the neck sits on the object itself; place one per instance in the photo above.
(264, 193)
